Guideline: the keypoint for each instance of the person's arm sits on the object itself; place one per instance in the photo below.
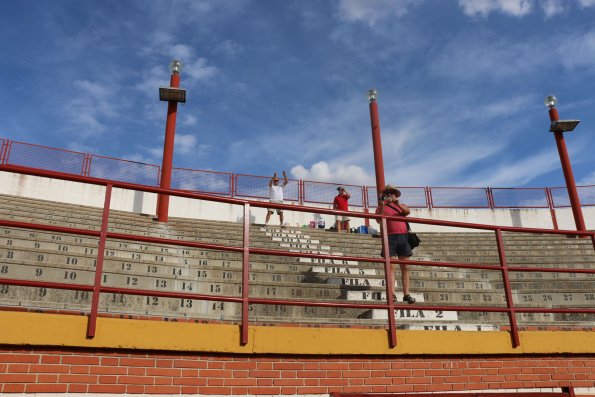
(271, 181)
(404, 208)
(285, 181)
(380, 211)
(347, 195)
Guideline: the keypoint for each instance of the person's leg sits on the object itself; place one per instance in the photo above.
(405, 279)
(266, 221)
(280, 217)
(338, 225)
(347, 226)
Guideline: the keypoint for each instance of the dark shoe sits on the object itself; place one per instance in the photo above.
(409, 299)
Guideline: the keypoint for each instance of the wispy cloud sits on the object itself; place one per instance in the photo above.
(517, 8)
(371, 12)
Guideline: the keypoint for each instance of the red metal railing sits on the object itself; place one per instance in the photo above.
(246, 250)
(253, 186)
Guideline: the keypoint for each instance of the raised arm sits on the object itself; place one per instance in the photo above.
(273, 177)
(285, 181)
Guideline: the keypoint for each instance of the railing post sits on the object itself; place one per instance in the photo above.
(2, 150)
(366, 204)
(86, 171)
(550, 203)
(232, 187)
(507, 290)
(430, 199)
(389, 276)
(7, 150)
(490, 195)
(92, 323)
(245, 275)
(301, 192)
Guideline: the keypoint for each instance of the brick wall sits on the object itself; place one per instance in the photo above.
(78, 371)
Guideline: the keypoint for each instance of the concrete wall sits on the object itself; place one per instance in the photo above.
(140, 202)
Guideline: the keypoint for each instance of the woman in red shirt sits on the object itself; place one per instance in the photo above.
(397, 233)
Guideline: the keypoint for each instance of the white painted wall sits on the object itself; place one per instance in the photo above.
(140, 202)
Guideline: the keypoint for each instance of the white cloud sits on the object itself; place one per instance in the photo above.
(94, 105)
(587, 3)
(337, 173)
(552, 7)
(516, 173)
(482, 8)
(587, 179)
(185, 144)
(374, 11)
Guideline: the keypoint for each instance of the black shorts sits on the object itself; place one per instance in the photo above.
(398, 245)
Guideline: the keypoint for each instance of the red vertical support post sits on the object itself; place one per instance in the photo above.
(568, 175)
(490, 194)
(300, 192)
(376, 143)
(507, 290)
(550, 203)
(168, 152)
(245, 275)
(366, 203)
(389, 276)
(92, 323)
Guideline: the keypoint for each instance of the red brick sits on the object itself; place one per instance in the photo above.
(77, 388)
(288, 366)
(439, 387)
(239, 390)
(108, 370)
(377, 366)
(54, 369)
(136, 371)
(374, 380)
(108, 379)
(192, 381)
(311, 374)
(288, 390)
(174, 372)
(310, 390)
(80, 360)
(46, 388)
(263, 374)
(19, 358)
(135, 380)
(110, 361)
(334, 366)
(215, 365)
(291, 382)
(214, 390)
(79, 369)
(240, 365)
(114, 389)
(137, 362)
(334, 382)
(45, 359)
(263, 390)
(135, 389)
(189, 364)
(13, 388)
(18, 368)
(162, 389)
(17, 378)
(190, 372)
(240, 382)
(47, 378)
(89, 379)
(189, 389)
(164, 363)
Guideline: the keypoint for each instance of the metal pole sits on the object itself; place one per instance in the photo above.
(568, 175)
(377, 145)
(168, 152)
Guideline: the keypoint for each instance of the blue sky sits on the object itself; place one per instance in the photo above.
(282, 84)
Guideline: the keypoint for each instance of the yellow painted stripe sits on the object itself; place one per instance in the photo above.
(22, 328)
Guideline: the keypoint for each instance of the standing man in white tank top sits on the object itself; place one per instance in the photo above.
(276, 196)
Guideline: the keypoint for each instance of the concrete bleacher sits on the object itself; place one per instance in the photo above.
(66, 258)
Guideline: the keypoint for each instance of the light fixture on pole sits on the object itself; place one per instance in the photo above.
(558, 127)
(172, 94)
(376, 142)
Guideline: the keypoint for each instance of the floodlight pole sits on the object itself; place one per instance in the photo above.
(376, 143)
(168, 151)
(568, 175)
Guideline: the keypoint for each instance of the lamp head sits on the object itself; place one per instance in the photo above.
(372, 94)
(550, 101)
(175, 66)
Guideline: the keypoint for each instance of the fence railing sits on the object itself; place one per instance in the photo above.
(301, 191)
(511, 309)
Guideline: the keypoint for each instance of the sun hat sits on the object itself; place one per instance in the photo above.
(389, 189)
